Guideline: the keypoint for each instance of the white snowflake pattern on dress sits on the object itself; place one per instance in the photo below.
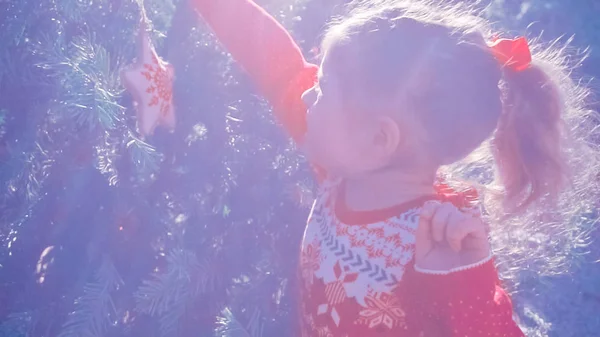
(359, 266)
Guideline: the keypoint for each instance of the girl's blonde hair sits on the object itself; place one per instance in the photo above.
(525, 137)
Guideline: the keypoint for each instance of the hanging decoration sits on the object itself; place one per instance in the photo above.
(150, 82)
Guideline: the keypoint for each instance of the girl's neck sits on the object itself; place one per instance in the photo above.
(386, 188)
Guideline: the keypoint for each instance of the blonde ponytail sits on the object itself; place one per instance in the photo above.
(528, 143)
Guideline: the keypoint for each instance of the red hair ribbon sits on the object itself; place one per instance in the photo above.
(513, 53)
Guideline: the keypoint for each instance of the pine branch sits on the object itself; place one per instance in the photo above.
(145, 158)
(169, 321)
(5, 61)
(16, 18)
(255, 324)
(3, 114)
(27, 173)
(167, 295)
(88, 85)
(16, 325)
(74, 10)
(157, 295)
(94, 311)
(229, 326)
(93, 98)
(106, 153)
(207, 279)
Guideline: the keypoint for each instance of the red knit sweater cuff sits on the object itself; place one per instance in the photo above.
(454, 270)
(476, 282)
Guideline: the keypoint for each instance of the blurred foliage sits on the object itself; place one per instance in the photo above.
(191, 233)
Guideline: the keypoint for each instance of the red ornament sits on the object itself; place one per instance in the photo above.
(150, 81)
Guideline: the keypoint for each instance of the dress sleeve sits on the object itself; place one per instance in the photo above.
(468, 301)
(267, 52)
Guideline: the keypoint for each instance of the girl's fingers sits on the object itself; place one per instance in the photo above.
(428, 209)
(440, 220)
(444, 223)
(456, 230)
(460, 226)
(424, 242)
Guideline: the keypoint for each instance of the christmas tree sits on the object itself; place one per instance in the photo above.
(193, 232)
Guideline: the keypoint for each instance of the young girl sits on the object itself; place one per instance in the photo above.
(403, 88)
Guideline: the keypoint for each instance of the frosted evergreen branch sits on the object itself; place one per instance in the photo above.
(229, 326)
(168, 294)
(158, 294)
(170, 320)
(88, 84)
(144, 156)
(3, 115)
(207, 280)
(15, 23)
(255, 324)
(74, 10)
(106, 154)
(16, 325)
(36, 168)
(94, 310)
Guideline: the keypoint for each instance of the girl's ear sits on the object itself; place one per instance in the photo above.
(388, 137)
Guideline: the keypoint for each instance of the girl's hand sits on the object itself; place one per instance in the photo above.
(448, 238)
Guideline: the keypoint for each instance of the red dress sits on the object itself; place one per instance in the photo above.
(358, 275)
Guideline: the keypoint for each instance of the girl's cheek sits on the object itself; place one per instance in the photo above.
(313, 135)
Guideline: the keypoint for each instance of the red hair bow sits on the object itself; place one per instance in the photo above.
(513, 53)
